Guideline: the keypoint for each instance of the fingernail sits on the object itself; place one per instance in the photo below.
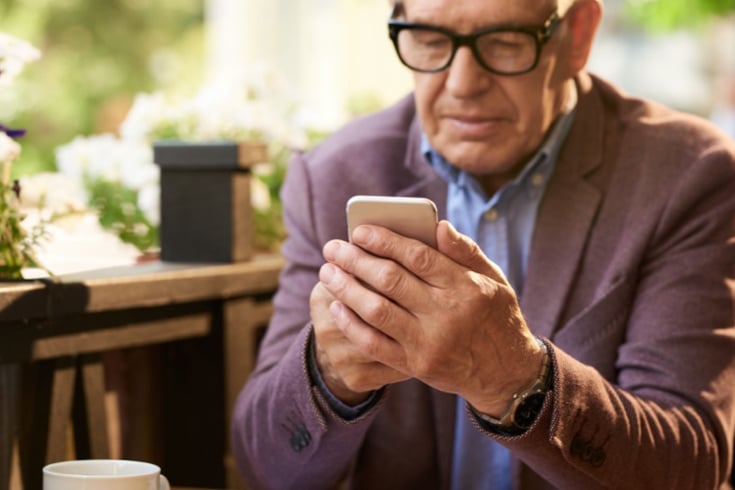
(361, 234)
(326, 273)
(330, 250)
(336, 308)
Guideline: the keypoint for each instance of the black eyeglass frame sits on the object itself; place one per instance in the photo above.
(540, 33)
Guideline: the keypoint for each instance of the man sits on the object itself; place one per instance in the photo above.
(578, 332)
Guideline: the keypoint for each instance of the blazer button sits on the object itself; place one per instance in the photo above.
(597, 457)
(584, 450)
(300, 438)
(579, 446)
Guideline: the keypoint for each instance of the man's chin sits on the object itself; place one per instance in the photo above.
(478, 158)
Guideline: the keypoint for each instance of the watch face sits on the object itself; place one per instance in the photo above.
(527, 411)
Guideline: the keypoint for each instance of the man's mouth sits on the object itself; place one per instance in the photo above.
(472, 127)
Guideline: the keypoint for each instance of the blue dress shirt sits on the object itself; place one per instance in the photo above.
(502, 225)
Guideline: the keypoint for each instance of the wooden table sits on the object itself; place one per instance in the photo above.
(55, 334)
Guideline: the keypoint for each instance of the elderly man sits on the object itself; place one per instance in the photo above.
(574, 326)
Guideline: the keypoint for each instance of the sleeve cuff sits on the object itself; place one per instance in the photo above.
(347, 412)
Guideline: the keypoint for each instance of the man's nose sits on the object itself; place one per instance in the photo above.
(465, 76)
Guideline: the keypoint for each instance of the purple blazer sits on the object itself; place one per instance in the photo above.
(631, 276)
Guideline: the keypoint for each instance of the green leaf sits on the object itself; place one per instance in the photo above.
(666, 15)
(118, 211)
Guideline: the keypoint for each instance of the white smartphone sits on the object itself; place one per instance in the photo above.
(413, 217)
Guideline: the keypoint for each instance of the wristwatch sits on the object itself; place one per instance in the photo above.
(525, 405)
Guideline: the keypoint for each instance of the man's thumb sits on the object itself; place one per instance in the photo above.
(461, 249)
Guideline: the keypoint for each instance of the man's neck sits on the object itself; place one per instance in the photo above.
(492, 183)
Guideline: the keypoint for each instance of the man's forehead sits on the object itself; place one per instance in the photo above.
(470, 15)
(561, 4)
(423, 8)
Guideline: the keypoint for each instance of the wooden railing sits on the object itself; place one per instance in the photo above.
(141, 362)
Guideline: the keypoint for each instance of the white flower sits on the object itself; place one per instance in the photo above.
(134, 160)
(256, 107)
(147, 112)
(9, 149)
(105, 156)
(57, 193)
(127, 161)
(260, 197)
(149, 198)
(14, 54)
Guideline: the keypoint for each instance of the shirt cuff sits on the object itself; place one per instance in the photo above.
(347, 412)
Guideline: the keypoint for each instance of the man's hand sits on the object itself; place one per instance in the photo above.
(446, 317)
(350, 375)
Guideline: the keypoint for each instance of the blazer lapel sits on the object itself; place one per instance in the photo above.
(427, 182)
(565, 217)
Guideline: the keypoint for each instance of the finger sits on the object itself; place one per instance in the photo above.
(319, 301)
(403, 269)
(432, 266)
(414, 255)
(320, 296)
(349, 374)
(383, 276)
(359, 374)
(368, 340)
(464, 251)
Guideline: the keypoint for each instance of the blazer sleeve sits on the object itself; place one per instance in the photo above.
(284, 433)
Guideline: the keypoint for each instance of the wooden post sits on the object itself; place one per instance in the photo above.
(243, 320)
(9, 374)
(93, 426)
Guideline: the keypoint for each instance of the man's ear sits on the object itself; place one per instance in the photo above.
(583, 19)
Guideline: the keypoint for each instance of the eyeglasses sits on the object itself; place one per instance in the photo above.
(503, 50)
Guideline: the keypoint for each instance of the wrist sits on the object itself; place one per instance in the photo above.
(523, 407)
(345, 402)
(320, 371)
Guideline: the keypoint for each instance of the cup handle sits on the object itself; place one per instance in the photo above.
(163, 483)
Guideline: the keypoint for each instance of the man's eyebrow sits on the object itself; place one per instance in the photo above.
(397, 10)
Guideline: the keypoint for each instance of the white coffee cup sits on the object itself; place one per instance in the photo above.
(103, 474)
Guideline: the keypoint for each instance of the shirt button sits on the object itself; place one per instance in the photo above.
(537, 179)
(491, 215)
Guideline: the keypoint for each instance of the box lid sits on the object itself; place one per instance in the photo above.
(209, 155)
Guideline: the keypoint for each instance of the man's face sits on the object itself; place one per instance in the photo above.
(484, 123)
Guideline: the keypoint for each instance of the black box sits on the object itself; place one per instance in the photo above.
(206, 214)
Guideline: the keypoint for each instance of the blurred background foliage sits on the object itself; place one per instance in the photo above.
(666, 15)
(96, 55)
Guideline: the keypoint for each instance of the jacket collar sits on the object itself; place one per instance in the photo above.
(566, 215)
(427, 183)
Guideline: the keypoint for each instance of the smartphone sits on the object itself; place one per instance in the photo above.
(413, 217)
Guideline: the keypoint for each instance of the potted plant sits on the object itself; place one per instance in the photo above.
(200, 175)
(16, 243)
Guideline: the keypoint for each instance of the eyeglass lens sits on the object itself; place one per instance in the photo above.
(426, 49)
